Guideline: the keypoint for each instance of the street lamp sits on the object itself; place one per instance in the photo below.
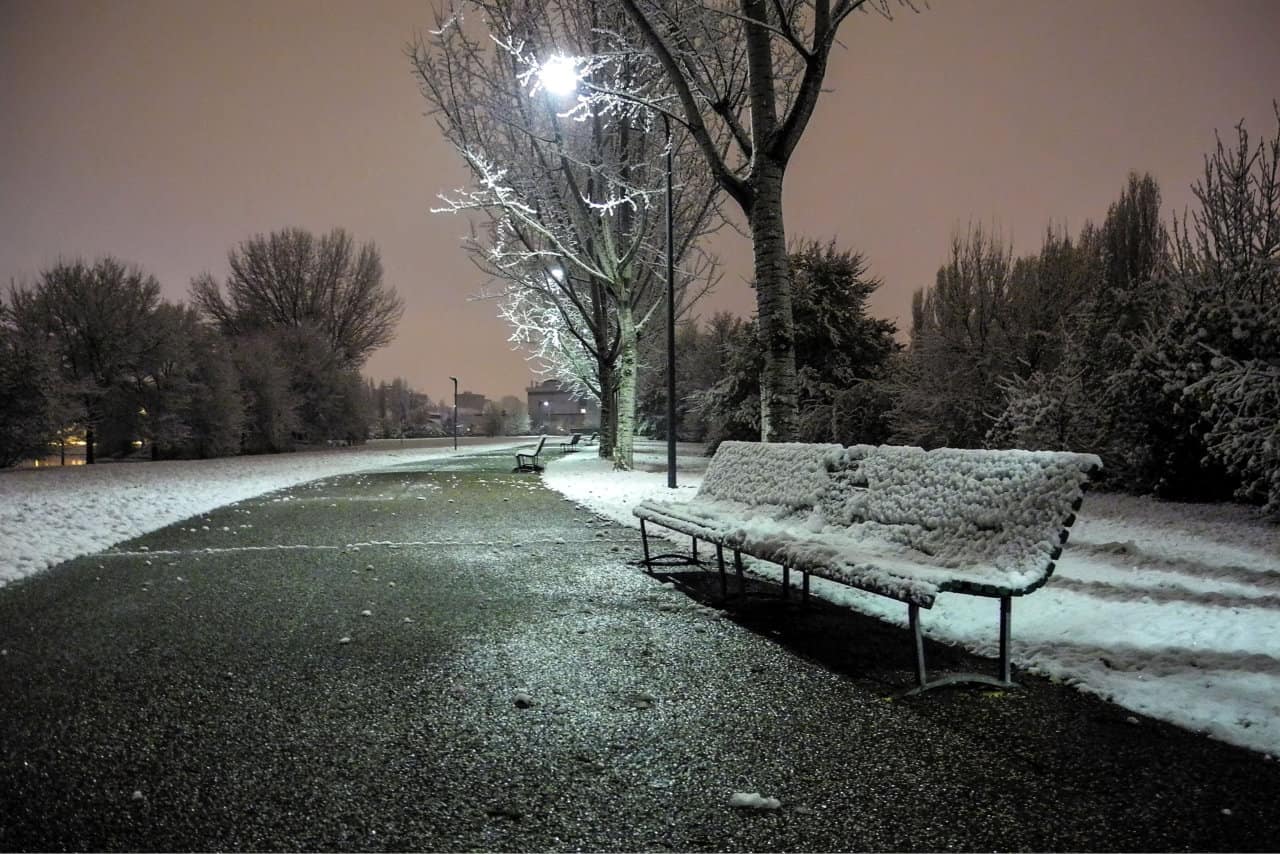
(559, 76)
(671, 317)
(455, 412)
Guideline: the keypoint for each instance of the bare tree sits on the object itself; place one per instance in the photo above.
(778, 49)
(570, 198)
(289, 279)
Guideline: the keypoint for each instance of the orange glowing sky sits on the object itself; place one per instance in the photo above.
(166, 131)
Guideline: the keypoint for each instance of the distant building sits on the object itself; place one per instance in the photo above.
(470, 412)
(553, 409)
(471, 403)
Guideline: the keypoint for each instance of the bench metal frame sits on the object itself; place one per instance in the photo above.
(529, 462)
(1003, 680)
(671, 558)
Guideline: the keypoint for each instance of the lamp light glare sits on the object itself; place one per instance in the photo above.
(559, 76)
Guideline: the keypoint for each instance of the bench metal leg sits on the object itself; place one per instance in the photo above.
(923, 684)
(671, 559)
(737, 566)
(724, 583)
(913, 617)
(1006, 617)
(644, 539)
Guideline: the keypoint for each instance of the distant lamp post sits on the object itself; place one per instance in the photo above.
(455, 412)
(559, 76)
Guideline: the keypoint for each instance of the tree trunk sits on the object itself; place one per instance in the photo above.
(606, 377)
(624, 447)
(778, 397)
(88, 446)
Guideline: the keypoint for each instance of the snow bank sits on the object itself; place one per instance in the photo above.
(51, 515)
(1169, 610)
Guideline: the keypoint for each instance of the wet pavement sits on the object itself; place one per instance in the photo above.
(447, 656)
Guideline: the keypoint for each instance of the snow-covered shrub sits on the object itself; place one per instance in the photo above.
(1048, 411)
(815, 423)
(1239, 397)
(860, 414)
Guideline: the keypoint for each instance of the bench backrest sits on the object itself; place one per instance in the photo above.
(788, 476)
(1003, 510)
(541, 442)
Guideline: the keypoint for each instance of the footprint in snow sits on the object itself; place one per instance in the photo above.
(642, 700)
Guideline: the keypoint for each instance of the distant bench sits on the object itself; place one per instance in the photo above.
(901, 522)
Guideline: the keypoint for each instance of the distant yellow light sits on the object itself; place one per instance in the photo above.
(137, 443)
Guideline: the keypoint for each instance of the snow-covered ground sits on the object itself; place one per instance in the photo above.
(1171, 610)
(55, 514)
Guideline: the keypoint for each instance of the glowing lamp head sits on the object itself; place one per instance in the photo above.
(559, 76)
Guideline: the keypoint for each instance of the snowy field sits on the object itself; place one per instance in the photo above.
(1170, 610)
(55, 514)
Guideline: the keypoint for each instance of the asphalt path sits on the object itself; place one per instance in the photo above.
(448, 656)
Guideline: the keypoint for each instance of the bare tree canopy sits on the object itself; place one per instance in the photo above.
(571, 197)
(291, 279)
(778, 50)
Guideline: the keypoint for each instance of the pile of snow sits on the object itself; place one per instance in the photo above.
(51, 515)
(1169, 610)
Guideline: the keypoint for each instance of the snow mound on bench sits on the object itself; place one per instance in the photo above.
(786, 475)
(995, 516)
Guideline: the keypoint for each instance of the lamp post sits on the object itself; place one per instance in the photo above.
(559, 75)
(455, 412)
(671, 317)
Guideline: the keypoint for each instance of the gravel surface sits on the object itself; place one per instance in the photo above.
(450, 657)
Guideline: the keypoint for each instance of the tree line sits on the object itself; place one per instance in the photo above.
(263, 360)
(1154, 344)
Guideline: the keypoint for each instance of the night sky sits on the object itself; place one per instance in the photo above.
(166, 132)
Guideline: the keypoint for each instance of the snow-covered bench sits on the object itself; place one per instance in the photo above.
(902, 522)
